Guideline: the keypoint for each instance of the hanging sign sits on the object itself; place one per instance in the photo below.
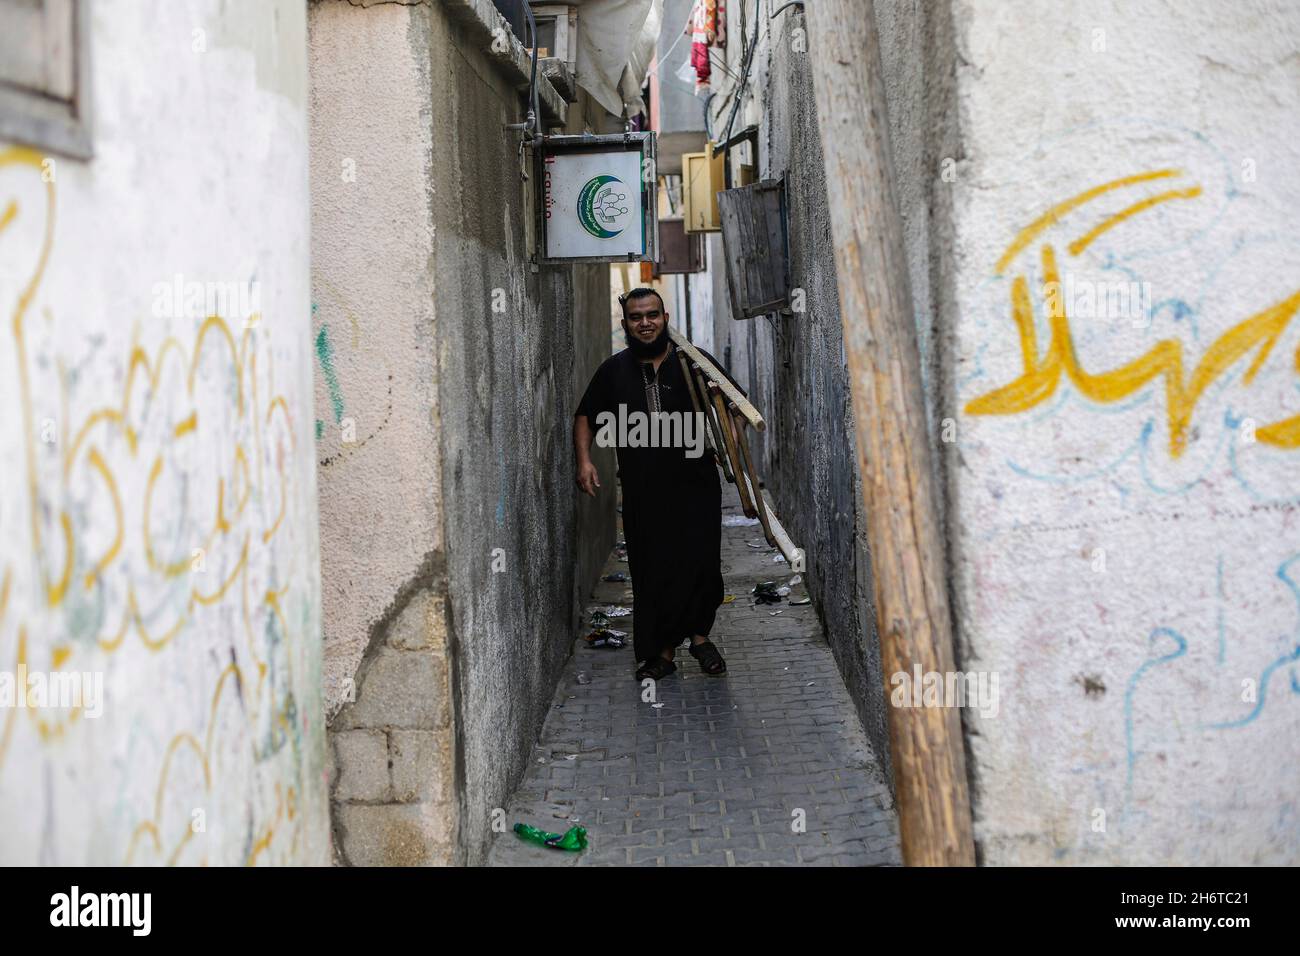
(598, 198)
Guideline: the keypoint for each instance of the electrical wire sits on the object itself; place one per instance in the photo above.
(749, 60)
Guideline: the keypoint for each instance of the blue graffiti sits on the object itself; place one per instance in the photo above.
(1131, 752)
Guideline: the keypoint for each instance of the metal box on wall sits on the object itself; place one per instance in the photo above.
(680, 252)
(597, 201)
(755, 246)
(702, 179)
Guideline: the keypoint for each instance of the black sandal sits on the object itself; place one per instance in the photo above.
(656, 669)
(710, 658)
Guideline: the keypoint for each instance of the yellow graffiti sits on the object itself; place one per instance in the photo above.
(142, 587)
(1084, 241)
(1043, 372)
(1050, 218)
(97, 461)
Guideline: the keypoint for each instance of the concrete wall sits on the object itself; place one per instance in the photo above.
(1123, 490)
(383, 560)
(159, 503)
(1119, 548)
(794, 367)
(506, 376)
(454, 552)
(595, 517)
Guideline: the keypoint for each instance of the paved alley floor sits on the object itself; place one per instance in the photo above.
(767, 765)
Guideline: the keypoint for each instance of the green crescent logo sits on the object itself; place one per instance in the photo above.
(601, 207)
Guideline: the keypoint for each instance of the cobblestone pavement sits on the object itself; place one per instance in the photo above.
(715, 771)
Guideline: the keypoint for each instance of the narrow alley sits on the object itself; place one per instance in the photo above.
(351, 349)
(766, 766)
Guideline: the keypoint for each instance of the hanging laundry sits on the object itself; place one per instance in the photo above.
(703, 29)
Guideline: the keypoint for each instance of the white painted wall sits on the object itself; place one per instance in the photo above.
(1087, 554)
(701, 298)
(158, 503)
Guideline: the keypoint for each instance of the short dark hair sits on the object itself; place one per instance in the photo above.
(640, 293)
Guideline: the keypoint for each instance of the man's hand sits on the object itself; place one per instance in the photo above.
(588, 478)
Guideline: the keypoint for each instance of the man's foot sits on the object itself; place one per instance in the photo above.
(710, 658)
(655, 669)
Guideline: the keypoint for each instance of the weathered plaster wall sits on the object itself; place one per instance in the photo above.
(1123, 491)
(506, 380)
(595, 517)
(700, 294)
(159, 499)
(592, 301)
(455, 553)
(387, 671)
(794, 366)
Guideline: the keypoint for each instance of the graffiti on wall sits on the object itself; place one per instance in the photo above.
(160, 544)
(1136, 358)
(1176, 331)
(1254, 336)
(339, 432)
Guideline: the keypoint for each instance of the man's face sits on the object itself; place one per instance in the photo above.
(645, 319)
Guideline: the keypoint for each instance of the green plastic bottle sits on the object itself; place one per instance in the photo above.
(574, 839)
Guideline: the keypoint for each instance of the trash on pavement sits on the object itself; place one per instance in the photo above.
(600, 616)
(738, 521)
(616, 576)
(768, 593)
(605, 637)
(575, 838)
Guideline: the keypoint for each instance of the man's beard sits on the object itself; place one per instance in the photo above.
(647, 350)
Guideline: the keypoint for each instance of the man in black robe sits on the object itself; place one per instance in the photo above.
(672, 499)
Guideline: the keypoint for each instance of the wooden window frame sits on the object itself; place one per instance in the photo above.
(61, 126)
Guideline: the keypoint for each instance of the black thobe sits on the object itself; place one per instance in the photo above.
(672, 507)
